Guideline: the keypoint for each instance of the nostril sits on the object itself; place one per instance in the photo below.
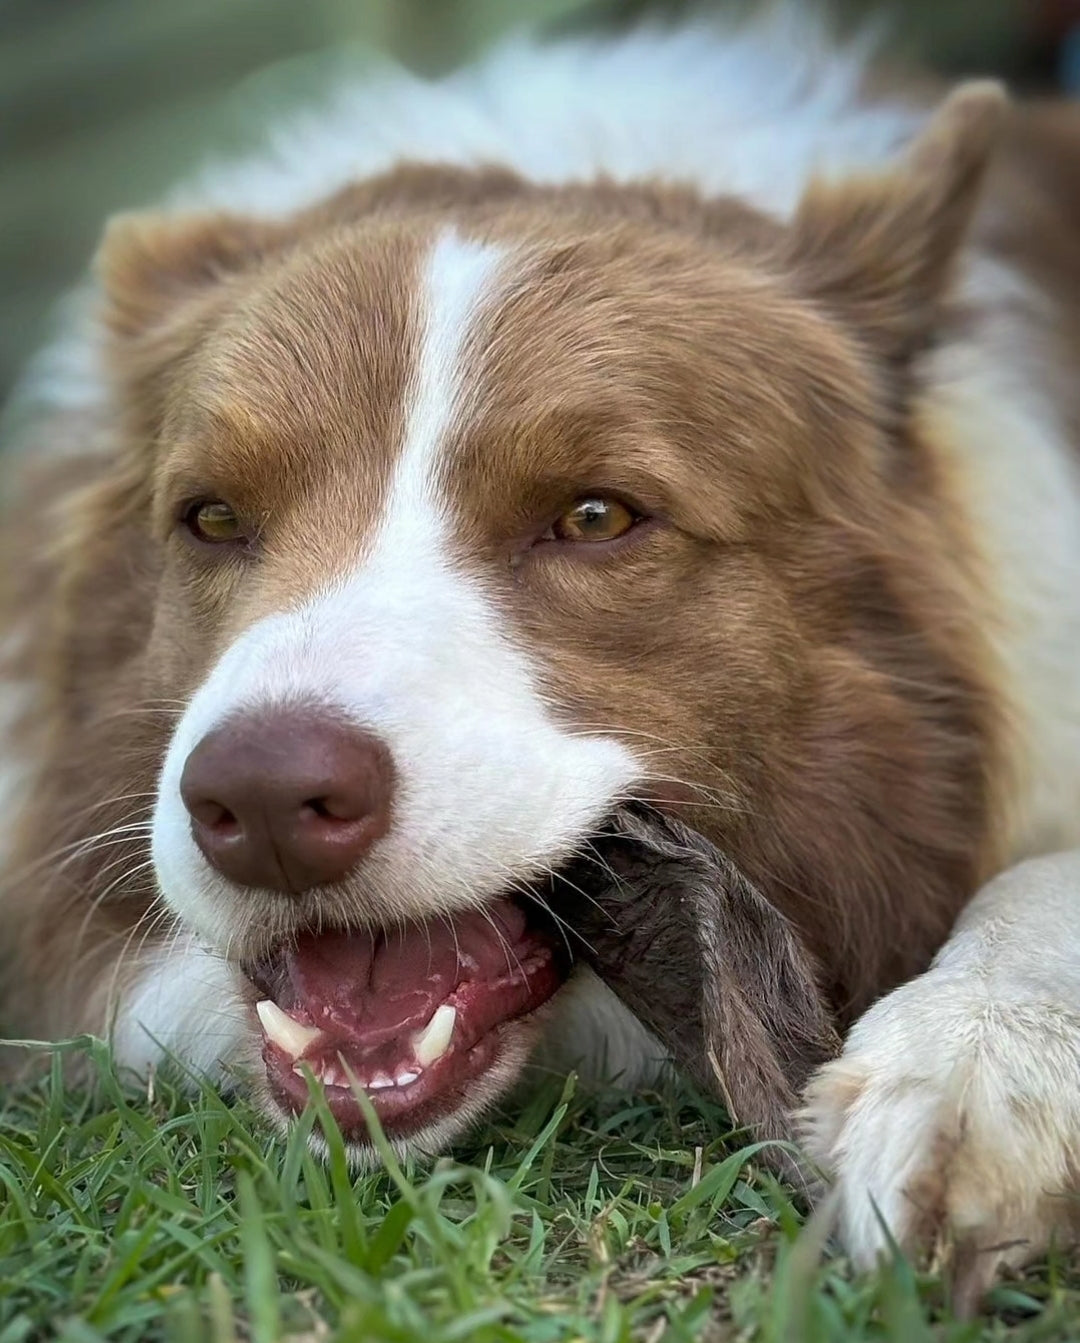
(225, 823)
(330, 808)
(214, 816)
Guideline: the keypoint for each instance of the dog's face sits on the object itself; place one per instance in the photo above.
(463, 544)
(470, 517)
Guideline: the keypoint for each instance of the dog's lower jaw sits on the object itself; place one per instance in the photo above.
(432, 1139)
(214, 1035)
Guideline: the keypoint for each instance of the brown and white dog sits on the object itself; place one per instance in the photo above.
(688, 415)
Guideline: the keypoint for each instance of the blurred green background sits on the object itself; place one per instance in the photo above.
(103, 103)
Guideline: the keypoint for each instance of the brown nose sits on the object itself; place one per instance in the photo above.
(287, 800)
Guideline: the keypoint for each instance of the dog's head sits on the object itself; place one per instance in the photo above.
(466, 510)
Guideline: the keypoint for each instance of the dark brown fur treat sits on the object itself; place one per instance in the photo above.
(704, 961)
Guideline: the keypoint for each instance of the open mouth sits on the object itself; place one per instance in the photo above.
(417, 1015)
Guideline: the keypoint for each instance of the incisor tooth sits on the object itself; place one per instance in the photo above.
(333, 1075)
(286, 1033)
(434, 1040)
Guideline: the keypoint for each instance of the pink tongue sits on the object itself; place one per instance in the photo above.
(379, 984)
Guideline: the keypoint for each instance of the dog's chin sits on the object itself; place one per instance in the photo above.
(432, 1022)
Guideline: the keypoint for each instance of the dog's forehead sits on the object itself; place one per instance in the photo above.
(338, 367)
(445, 372)
(325, 402)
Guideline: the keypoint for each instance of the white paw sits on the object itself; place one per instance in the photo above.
(953, 1117)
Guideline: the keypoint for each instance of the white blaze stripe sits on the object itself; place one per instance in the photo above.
(460, 275)
(490, 789)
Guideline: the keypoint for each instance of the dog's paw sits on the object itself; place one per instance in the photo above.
(952, 1118)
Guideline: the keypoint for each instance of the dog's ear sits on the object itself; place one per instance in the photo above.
(151, 264)
(878, 248)
(162, 279)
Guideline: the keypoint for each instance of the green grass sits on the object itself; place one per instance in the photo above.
(146, 1214)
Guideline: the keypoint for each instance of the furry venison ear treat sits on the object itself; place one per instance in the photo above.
(704, 961)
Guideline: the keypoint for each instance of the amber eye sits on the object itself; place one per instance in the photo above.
(594, 519)
(213, 521)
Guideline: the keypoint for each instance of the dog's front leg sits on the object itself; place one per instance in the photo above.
(953, 1115)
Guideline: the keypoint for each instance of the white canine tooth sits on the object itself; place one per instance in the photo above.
(404, 1078)
(380, 1081)
(434, 1040)
(286, 1033)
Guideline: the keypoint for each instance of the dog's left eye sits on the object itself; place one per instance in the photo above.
(593, 519)
(213, 521)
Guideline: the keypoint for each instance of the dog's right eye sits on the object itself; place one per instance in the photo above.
(214, 522)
